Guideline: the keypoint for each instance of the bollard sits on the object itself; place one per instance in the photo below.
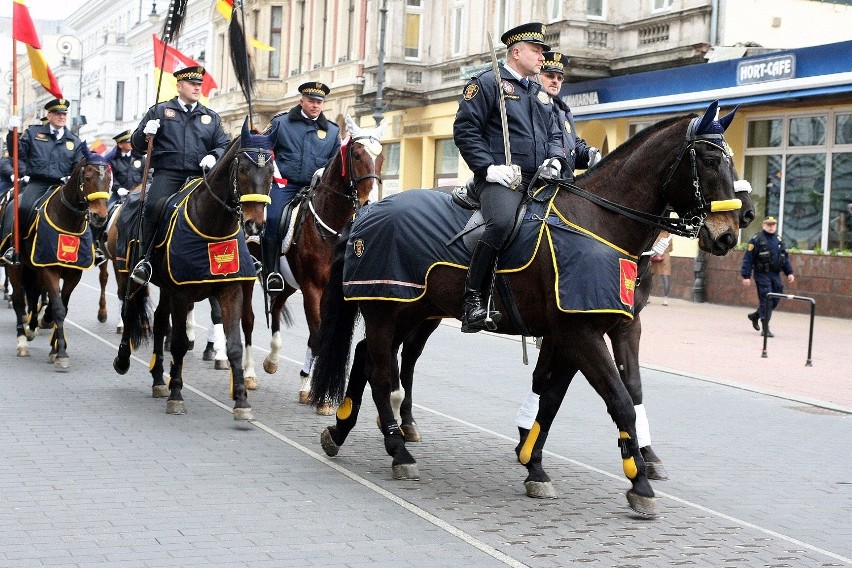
(699, 286)
(766, 301)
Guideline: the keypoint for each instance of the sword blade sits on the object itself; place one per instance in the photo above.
(504, 122)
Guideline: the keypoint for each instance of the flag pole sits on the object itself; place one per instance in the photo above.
(16, 238)
(248, 93)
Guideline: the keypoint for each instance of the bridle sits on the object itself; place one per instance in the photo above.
(688, 224)
(81, 207)
(260, 157)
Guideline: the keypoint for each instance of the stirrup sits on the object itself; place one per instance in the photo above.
(8, 256)
(274, 283)
(141, 273)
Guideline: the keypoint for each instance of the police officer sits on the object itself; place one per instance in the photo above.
(307, 140)
(578, 154)
(127, 165)
(47, 153)
(766, 256)
(188, 138)
(534, 137)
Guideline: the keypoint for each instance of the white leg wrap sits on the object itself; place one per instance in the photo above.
(528, 411)
(396, 398)
(219, 342)
(643, 429)
(309, 361)
(211, 334)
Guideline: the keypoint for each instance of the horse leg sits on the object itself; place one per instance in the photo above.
(625, 349)
(19, 304)
(347, 413)
(231, 303)
(103, 279)
(312, 297)
(590, 352)
(220, 354)
(175, 403)
(305, 375)
(159, 389)
(190, 328)
(270, 363)
(412, 349)
(247, 321)
(59, 299)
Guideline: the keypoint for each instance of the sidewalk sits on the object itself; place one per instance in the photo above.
(717, 343)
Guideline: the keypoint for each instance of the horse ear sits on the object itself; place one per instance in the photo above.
(350, 124)
(86, 152)
(725, 121)
(708, 118)
(380, 130)
(244, 133)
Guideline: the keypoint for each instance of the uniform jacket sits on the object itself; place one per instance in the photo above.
(303, 145)
(534, 135)
(576, 149)
(45, 159)
(766, 253)
(183, 138)
(126, 172)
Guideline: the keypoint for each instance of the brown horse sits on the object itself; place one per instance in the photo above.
(681, 164)
(211, 215)
(327, 206)
(56, 252)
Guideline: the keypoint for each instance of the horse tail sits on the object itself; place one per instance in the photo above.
(137, 318)
(335, 334)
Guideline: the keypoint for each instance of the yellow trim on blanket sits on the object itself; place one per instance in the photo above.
(43, 209)
(591, 234)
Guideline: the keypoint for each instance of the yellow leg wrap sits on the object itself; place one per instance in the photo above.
(231, 372)
(344, 411)
(151, 364)
(629, 464)
(525, 454)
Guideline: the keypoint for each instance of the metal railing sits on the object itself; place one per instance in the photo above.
(768, 299)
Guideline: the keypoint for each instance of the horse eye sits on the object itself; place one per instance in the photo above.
(710, 162)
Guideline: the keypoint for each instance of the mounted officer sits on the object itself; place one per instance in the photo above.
(307, 140)
(47, 153)
(534, 137)
(578, 154)
(767, 257)
(188, 139)
(127, 165)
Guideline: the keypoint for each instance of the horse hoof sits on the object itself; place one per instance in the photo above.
(251, 383)
(175, 407)
(243, 414)
(410, 432)
(221, 365)
(45, 324)
(406, 471)
(656, 471)
(305, 397)
(120, 366)
(644, 506)
(269, 367)
(190, 345)
(328, 445)
(119, 330)
(159, 391)
(51, 357)
(22, 351)
(102, 317)
(61, 363)
(540, 489)
(208, 354)
(325, 409)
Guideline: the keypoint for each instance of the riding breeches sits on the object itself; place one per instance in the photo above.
(26, 203)
(499, 206)
(165, 184)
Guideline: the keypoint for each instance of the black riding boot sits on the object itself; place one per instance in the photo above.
(274, 280)
(142, 271)
(477, 289)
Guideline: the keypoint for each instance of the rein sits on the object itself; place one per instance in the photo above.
(263, 157)
(81, 208)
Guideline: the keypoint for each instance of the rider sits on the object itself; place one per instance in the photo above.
(534, 136)
(47, 153)
(307, 140)
(188, 138)
(577, 153)
(126, 166)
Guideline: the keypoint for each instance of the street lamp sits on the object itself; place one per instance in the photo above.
(64, 46)
(378, 113)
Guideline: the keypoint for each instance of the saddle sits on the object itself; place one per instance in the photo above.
(465, 196)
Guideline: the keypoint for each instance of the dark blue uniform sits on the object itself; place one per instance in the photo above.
(766, 256)
(576, 150)
(126, 171)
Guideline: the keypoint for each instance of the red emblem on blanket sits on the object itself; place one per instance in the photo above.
(68, 248)
(628, 280)
(224, 257)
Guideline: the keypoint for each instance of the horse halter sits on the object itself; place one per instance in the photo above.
(257, 156)
(690, 223)
(81, 206)
(349, 171)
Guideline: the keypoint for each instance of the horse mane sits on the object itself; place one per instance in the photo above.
(222, 163)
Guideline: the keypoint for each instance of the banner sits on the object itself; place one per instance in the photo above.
(24, 31)
(175, 60)
(226, 8)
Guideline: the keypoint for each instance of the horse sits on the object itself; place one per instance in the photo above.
(323, 209)
(56, 250)
(219, 209)
(680, 164)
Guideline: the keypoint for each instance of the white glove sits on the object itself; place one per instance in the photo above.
(152, 126)
(26, 179)
(207, 162)
(551, 168)
(661, 245)
(503, 174)
(742, 185)
(63, 179)
(121, 192)
(15, 122)
(594, 156)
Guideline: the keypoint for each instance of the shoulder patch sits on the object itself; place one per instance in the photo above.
(751, 247)
(543, 98)
(567, 127)
(508, 87)
(470, 91)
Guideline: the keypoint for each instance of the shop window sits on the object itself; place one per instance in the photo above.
(446, 163)
(807, 131)
(390, 166)
(840, 210)
(636, 127)
(843, 129)
(804, 189)
(765, 133)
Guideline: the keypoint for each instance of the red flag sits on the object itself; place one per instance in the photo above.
(174, 61)
(23, 30)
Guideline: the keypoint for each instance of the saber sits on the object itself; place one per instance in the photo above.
(504, 122)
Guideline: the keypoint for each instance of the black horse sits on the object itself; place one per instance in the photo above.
(680, 164)
(220, 209)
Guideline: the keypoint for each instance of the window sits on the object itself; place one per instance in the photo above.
(800, 169)
(413, 13)
(595, 9)
(119, 100)
(458, 28)
(636, 127)
(275, 42)
(390, 166)
(446, 162)
(662, 5)
(554, 11)
(503, 16)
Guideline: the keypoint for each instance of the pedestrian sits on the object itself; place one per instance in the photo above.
(661, 262)
(127, 165)
(47, 153)
(188, 139)
(534, 138)
(306, 142)
(578, 153)
(766, 256)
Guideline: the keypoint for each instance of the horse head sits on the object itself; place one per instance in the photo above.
(251, 174)
(709, 206)
(361, 161)
(89, 186)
